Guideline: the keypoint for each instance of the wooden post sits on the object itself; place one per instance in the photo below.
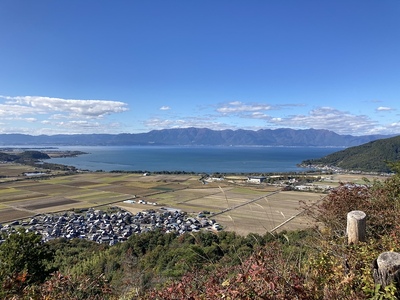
(356, 226)
(386, 269)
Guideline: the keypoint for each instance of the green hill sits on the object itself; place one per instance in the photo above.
(369, 157)
(23, 157)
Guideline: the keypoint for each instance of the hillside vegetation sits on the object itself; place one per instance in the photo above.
(23, 157)
(35, 159)
(373, 156)
(313, 264)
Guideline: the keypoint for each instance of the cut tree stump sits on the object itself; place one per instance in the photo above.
(356, 226)
(386, 269)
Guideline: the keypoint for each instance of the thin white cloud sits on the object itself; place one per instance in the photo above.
(259, 115)
(329, 118)
(8, 128)
(165, 108)
(251, 110)
(384, 108)
(7, 110)
(158, 123)
(237, 107)
(73, 107)
(57, 115)
(18, 118)
(77, 127)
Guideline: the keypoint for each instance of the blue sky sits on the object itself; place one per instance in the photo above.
(97, 66)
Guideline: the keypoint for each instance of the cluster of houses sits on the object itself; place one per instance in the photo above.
(111, 228)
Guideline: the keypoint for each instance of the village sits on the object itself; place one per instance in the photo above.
(111, 227)
(310, 183)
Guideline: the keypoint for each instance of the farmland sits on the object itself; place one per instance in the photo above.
(243, 208)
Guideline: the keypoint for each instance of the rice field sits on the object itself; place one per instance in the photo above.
(256, 208)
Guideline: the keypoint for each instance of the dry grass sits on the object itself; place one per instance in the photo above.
(268, 212)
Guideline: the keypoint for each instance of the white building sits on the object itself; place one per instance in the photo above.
(256, 179)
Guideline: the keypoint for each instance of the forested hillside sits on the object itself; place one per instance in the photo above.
(198, 136)
(23, 157)
(372, 156)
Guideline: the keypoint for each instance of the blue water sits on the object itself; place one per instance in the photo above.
(193, 159)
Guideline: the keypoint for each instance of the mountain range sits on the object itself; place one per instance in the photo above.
(197, 136)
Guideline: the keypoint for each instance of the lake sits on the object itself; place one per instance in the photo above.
(235, 159)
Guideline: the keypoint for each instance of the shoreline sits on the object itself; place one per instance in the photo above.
(52, 152)
(64, 153)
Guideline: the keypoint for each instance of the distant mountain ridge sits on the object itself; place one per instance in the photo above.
(197, 136)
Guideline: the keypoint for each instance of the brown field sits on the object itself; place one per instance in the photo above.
(356, 178)
(7, 195)
(48, 203)
(256, 208)
(269, 211)
(9, 214)
(14, 170)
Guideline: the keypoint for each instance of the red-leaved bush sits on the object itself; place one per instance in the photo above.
(60, 286)
(266, 274)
